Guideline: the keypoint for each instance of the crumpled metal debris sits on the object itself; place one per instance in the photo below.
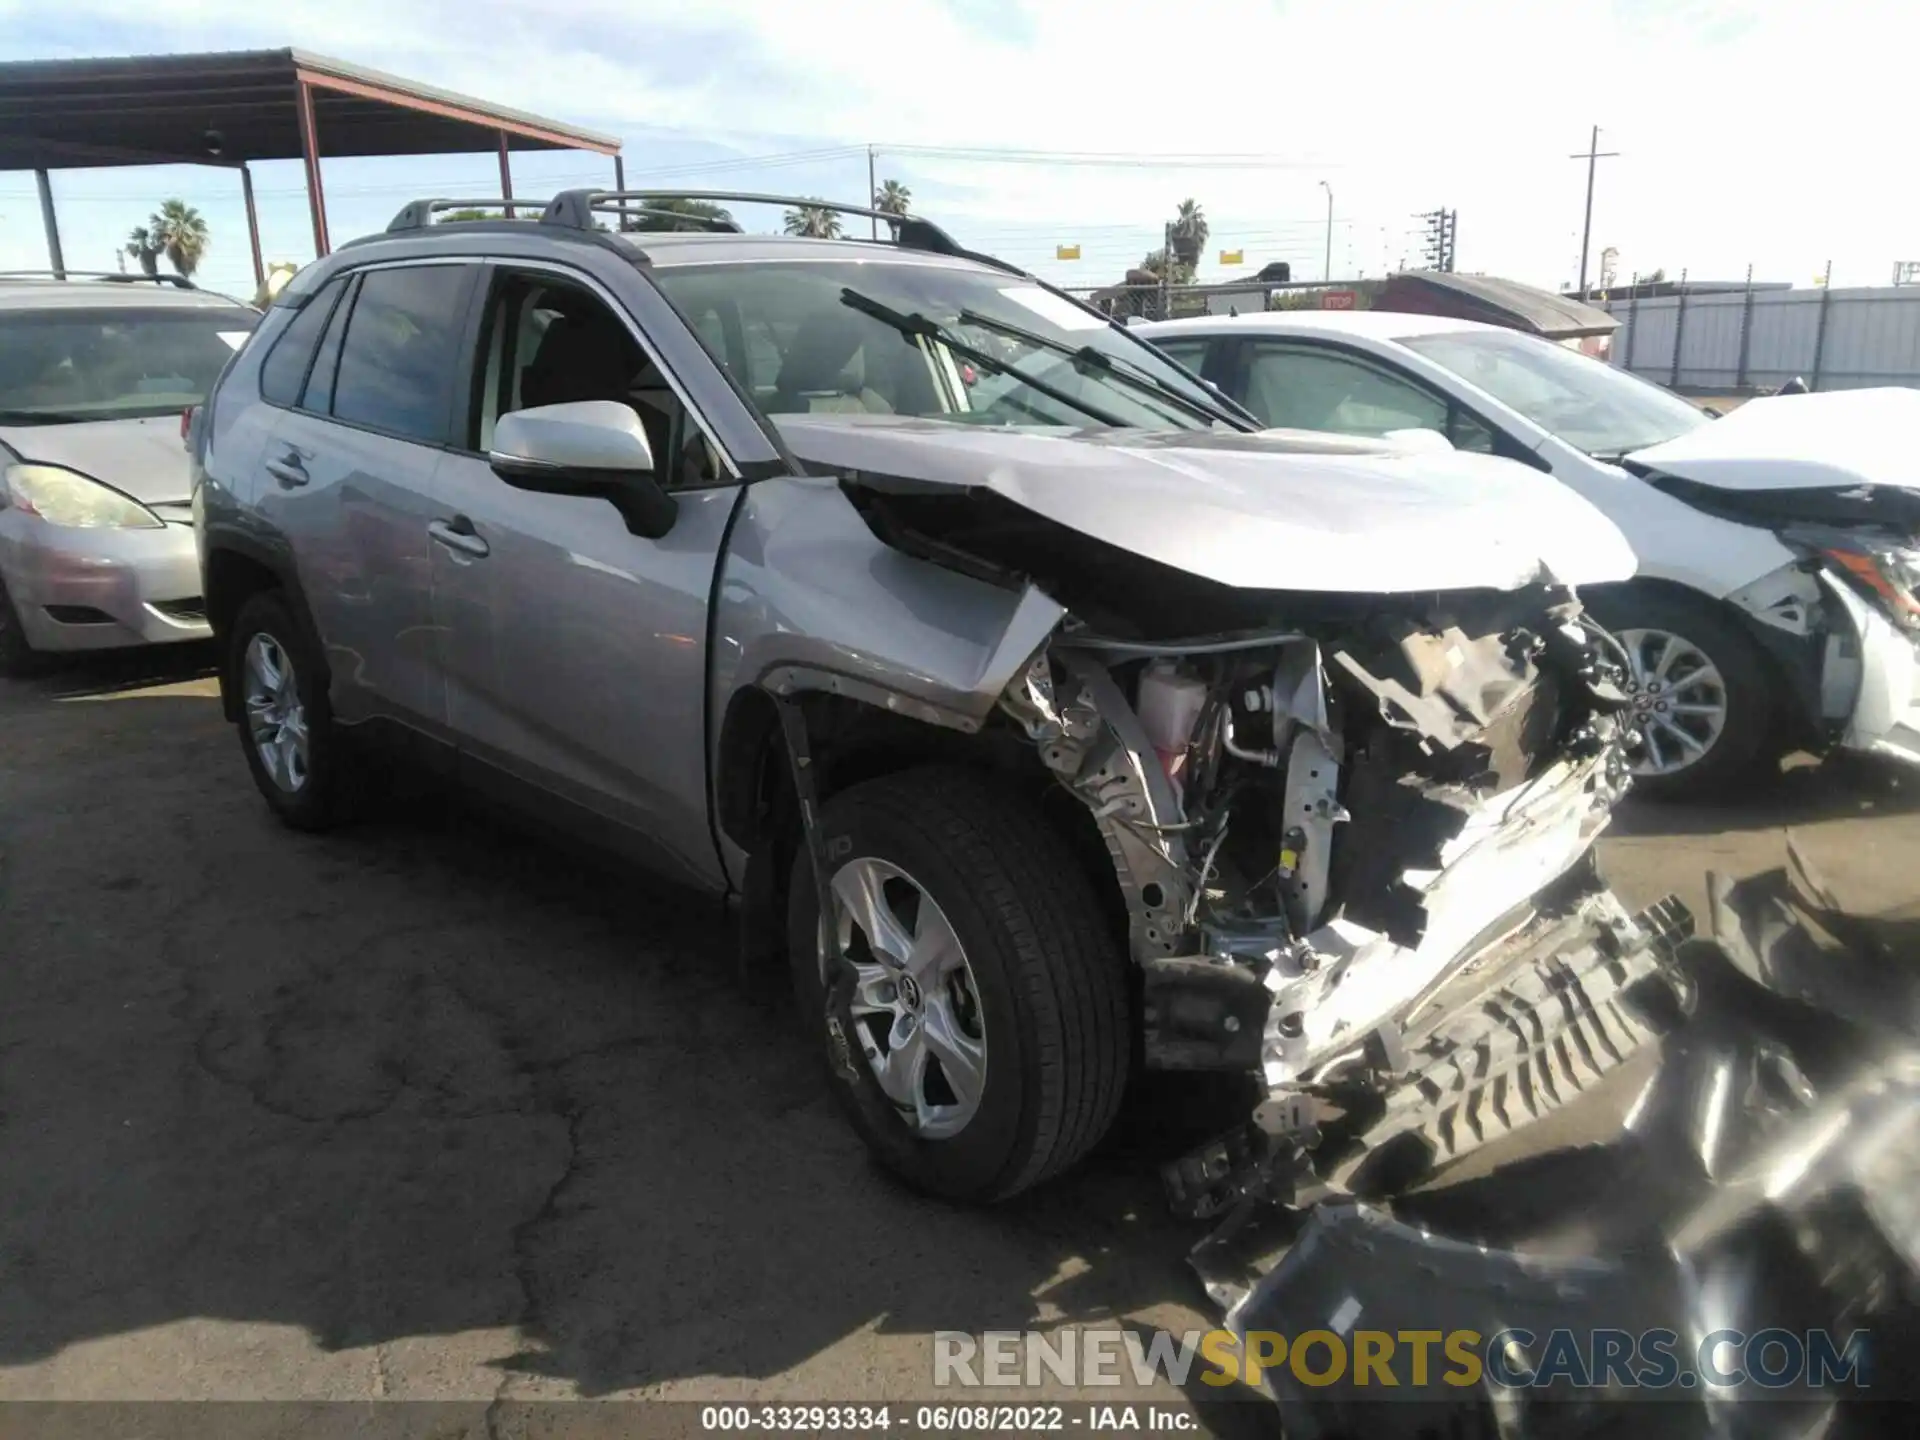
(1767, 1174)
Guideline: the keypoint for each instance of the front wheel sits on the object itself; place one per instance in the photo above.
(972, 1000)
(1699, 693)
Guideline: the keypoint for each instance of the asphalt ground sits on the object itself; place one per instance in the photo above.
(430, 1108)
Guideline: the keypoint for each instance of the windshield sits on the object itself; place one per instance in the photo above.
(63, 366)
(908, 338)
(1590, 405)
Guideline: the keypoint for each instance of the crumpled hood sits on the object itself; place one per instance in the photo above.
(1275, 511)
(142, 458)
(1830, 439)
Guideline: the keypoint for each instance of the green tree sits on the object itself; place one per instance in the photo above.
(814, 221)
(143, 247)
(1155, 264)
(696, 211)
(1190, 233)
(892, 198)
(178, 230)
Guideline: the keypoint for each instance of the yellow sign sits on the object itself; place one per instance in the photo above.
(1233, 257)
(1066, 252)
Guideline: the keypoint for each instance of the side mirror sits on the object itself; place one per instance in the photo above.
(590, 448)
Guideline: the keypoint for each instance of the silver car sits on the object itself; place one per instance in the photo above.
(96, 538)
(1048, 719)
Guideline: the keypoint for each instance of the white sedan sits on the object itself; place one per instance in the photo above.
(1776, 604)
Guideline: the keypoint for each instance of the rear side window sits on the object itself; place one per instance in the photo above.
(285, 369)
(402, 344)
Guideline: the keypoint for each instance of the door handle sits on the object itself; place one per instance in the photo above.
(290, 470)
(458, 534)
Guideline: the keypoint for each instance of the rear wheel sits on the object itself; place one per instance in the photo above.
(971, 1000)
(1699, 692)
(297, 758)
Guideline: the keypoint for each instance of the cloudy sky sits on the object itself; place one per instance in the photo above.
(1750, 130)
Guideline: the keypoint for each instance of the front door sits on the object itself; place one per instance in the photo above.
(575, 652)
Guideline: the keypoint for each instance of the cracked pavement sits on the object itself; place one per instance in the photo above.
(430, 1108)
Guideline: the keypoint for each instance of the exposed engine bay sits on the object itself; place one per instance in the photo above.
(1316, 833)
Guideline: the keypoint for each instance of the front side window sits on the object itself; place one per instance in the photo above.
(1591, 406)
(905, 337)
(548, 342)
(398, 355)
(1295, 388)
(63, 366)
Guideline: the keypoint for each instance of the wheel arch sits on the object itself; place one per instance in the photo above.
(1792, 670)
(851, 741)
(235, 570)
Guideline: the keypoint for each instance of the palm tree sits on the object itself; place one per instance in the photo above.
(143, 247)
(892, 198)
(814, 221)
(1189, 232)
(179, 231)
(696, 211)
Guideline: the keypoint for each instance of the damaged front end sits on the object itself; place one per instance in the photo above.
(1747, 1233)
(1356, 854)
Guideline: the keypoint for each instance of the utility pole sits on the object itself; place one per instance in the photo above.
(1440, 229)
(1326, 266)
(1593, 154)
(873, 188)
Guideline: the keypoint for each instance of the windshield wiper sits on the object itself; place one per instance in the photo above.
(916, 325)
(1086, 357)
(42, 417)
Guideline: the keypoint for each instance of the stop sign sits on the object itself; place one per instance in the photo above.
(1337, 299)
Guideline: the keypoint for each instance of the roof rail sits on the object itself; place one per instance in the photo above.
(574, 210)
(118, 277)
(418, 214)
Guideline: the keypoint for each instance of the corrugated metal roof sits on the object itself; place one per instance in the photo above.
(135, 109)
(1508, 302)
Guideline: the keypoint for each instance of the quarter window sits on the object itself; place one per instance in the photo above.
(284, 370)
(397, 359)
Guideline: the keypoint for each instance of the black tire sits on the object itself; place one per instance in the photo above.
(330, 786)
(1051, 979)
(1748, 739)
(18, 659)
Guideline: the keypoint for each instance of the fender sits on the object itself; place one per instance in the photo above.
(236, 563)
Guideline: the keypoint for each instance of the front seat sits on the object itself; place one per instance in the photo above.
(816, 376)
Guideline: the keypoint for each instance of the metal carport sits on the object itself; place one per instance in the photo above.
(232, 107)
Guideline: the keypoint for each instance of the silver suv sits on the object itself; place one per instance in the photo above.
(96, 548)
(1053, 722)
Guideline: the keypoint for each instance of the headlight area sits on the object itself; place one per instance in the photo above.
(1889, 575)
(66, 497)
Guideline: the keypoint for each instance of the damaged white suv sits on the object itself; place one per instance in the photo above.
(1113, 732)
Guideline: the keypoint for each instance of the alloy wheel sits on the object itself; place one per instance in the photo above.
(915, 1005)
(1679, 700)
(276, 718)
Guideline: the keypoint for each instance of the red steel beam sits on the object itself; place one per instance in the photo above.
(310, 152)
(253, 228)
(314, 79)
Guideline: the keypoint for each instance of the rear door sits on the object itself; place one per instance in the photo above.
(350, 472)
(575, 652)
